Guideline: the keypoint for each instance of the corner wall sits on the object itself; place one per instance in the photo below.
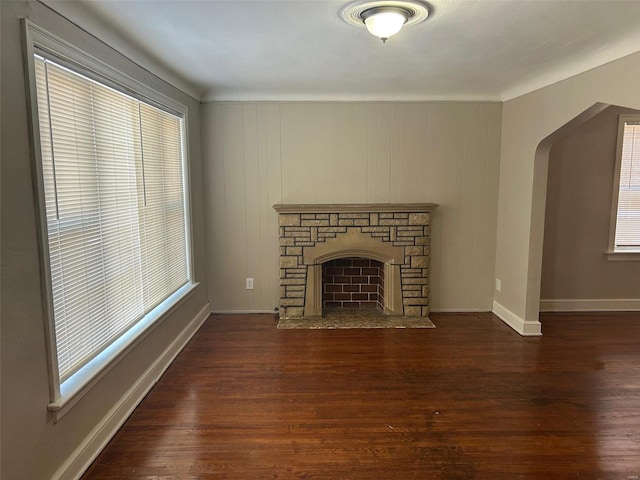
(526, 122)
(33, 446)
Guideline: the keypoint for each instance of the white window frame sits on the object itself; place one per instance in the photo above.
(66, 394)
(612, 253)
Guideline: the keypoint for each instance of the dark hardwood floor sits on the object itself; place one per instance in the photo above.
(470, 399)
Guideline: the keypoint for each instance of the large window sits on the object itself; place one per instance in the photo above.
(112, 175)
(625, 234)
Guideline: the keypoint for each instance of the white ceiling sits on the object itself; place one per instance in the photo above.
(303, 50)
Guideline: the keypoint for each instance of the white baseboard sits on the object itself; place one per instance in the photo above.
(88, 450)
(591, 305)
(520, 325)
(241, 312)
(459, 310)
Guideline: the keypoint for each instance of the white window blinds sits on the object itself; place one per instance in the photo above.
(627, 235)
(116, 216)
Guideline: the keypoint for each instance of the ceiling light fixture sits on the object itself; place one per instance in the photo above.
(385, 18)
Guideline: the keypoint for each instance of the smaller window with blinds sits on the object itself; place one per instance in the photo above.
(625, 224)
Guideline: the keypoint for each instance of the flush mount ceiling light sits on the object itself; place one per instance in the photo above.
(385, 18)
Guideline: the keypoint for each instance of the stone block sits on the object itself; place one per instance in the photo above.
(315, 223)
(411, 293)
(286, 242)
(288, 262)
(373, 219)
(425, 290)
(293, 312)
(392, 221)
(292, 302)
(402, 232)
(421, 240)
(417, 250)
(415, 301)
(292, 251)
(289, 219)
(333, 219)
(346, 222)
(425, 311)
(412, 311)
(419, 261)
(374, 229)
(414, 281)
(295, 294)
(419, 218)
(293, 281)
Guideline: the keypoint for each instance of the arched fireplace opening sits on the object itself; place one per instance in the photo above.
(352, 283)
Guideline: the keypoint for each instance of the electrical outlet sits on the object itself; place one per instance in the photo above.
(498, 285)
(249, 283)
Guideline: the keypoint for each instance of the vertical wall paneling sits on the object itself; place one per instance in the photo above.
(470, 196)
(298, 117)
(252, 200)
(216, 204)
(325, 153)
(343, 166)
(264, 247)
(360, 153)
(383, 152)
(235, 201)
(260, 154)
(436, 153)
(371, 149)
(312, 161)
(452, 201)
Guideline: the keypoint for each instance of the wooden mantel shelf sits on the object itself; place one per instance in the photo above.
(354, 207)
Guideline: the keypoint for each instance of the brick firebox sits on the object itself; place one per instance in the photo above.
(353, 283)
(398, 235)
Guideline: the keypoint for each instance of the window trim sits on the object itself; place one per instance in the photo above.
(62, 396)
(612, 253)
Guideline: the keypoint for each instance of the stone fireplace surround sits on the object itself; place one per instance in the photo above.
(398, 235)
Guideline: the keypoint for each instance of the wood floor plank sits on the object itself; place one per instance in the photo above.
(470, 399)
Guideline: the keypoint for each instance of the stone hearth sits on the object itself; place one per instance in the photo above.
(398, 235)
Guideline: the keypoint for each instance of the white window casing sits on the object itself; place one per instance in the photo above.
(624, 235)
(112, 174)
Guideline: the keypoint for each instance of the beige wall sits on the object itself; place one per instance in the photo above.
(578, 215)
(33, 446)
(261, 154)
(526, 122)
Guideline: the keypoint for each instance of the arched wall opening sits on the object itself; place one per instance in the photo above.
(539, 203)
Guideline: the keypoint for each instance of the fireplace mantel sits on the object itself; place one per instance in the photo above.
(354, 207)
(397, 234)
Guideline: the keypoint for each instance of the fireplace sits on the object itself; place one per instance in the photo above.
(397, 236)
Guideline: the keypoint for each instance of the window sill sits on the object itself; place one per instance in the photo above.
(623, 256)
(81, 382)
